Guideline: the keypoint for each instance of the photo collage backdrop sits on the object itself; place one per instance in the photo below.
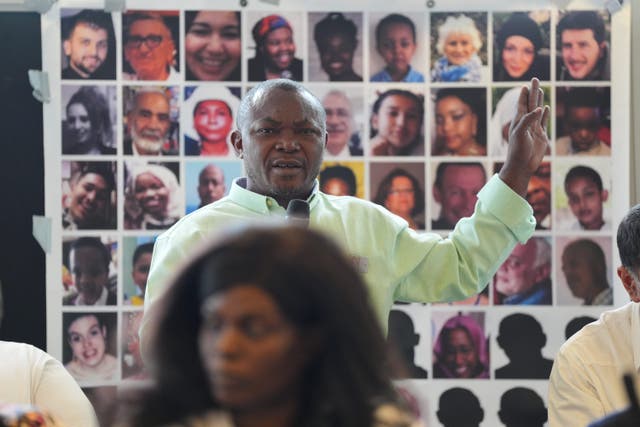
(142, 139)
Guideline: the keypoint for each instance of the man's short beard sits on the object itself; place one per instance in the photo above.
(82, 69)
(146, 145)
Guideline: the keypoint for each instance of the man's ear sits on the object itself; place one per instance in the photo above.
(236, 141)
(66, 45)
(629, 284)
(602, 47)
(605, 195)
(326, 139)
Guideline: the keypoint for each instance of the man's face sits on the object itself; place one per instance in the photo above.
(458, 192)
(517, 274)
(211, 185)
(90, 274)
(579, 271)
(152, 59)
(78, 124)
(149, 123)
(86, 48)
(89, 198)
(339, 122)
(279, 49)
(336, 55)
(282, 145)
(582, 125)
(580, 52)
(585, 201)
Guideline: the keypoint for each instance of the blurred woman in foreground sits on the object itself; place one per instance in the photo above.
(267, 327)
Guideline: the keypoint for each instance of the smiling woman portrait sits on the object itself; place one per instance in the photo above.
(521, 52)
(212, 45)
(153, 197)
(460, 122)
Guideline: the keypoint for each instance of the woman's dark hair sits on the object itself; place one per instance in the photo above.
(105, 320)
(385, 187)
(314, 286)
(98, 110)
(475, 99)
(520, 24)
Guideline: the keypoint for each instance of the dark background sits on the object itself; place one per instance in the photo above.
(22, 261)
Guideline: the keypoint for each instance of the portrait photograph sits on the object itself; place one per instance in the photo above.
(151, 116)
(342, 178)
(399, 188)
(153, 196)
(90, 270)
(397, 47)
(459, 121)
(521, 46)
(524, 278)
(504, 104)
(583, 121)
(582, 194)
(396, 121)
(344, 107)
(458, 47)
(89, 120)
(151, 45)
(208, 181)
(213, 45)
(454, 191)
(89, 199)
(132, 365)
(274, 46)
(460, 345)
(136, 261)
(583, 45)
(584, 273)
(88, 50)
(95, 331)
(335, 46)
(208, 117)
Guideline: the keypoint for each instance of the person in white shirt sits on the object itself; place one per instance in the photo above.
(30, 376)
(586, 379)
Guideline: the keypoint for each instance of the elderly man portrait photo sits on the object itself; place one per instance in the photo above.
(150, 45)
(525, 277)
(149, 123)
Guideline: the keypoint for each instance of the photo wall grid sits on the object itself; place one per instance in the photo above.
(138, 136)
